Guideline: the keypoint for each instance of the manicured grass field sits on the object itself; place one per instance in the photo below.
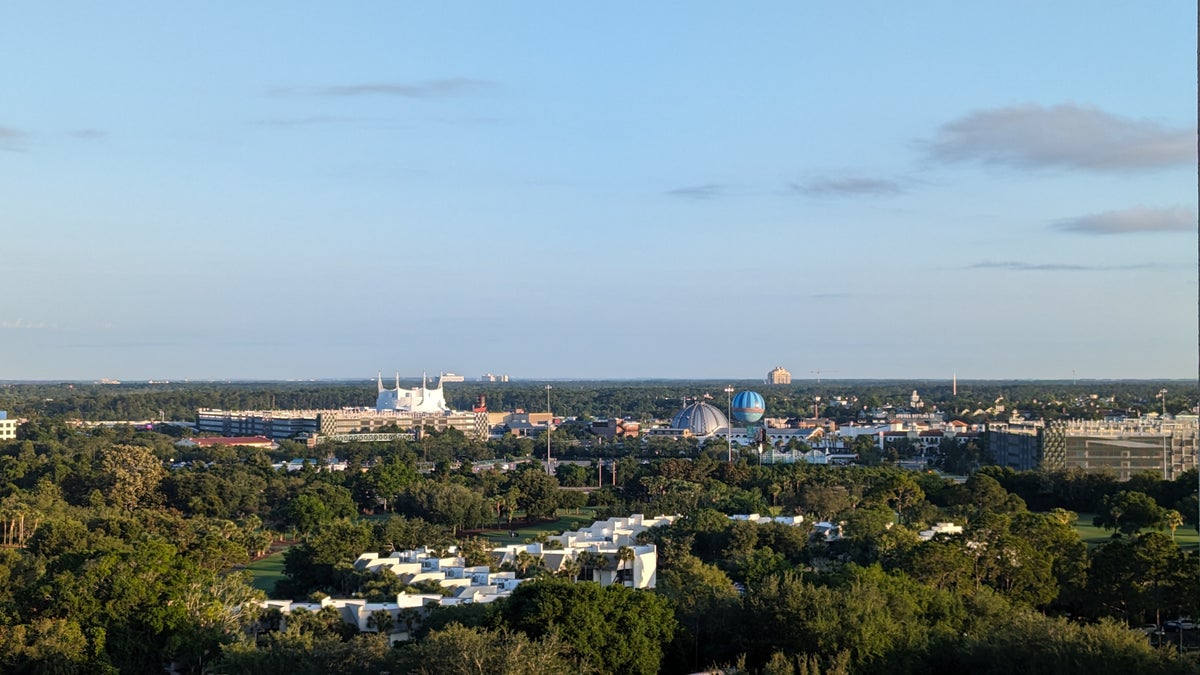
(266, 572)
(570, 521)
(1185, 536)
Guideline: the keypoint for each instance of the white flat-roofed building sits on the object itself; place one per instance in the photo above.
(606, 552)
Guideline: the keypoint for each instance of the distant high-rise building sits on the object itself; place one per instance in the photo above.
(779, 375)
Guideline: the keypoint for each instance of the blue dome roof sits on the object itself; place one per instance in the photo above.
(701, 418)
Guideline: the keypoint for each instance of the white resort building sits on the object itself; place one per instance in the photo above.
(606, 552)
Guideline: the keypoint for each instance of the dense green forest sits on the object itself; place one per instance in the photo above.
(120, 552)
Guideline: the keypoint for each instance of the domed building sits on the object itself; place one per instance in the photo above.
(701, 419)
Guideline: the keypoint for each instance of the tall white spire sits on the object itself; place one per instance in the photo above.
(380, 383)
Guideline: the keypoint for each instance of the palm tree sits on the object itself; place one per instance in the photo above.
(509, 500)
(409, 616)
(775, 489)
(625, 558)
(1172, 519)
(569, 568)
(381, 621)
(587, 564)
(526, 561)
(604, 563)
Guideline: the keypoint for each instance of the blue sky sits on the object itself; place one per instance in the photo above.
(305, 190)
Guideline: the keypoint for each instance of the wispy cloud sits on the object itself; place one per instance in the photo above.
(89, 134)
(1131, 221)
(848, 187)
(119, 344)
(440, 88)
(25, 324)
(300, 121)
(705, 191)
(1066, 136)
(13, 140)
(1017, 266)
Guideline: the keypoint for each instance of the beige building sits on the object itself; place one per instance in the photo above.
(779, 375)
(8, 428)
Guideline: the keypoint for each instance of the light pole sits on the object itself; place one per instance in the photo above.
(729, 423)
(549, 425)
(1162, 393)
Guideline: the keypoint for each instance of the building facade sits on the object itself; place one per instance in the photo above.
(416, 409)
(1018, 445)
(1164, 446)
(779, 375)
(8, 427)
(281, 424)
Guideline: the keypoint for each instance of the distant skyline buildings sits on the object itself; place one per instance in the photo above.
(879, 190)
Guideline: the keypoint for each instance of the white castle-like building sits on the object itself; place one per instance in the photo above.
(420, 399)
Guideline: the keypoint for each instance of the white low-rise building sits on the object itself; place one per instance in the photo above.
(606, 552)
(940, 528)
(403, 615)
(794, 521)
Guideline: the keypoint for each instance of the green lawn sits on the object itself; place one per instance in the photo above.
(572, 521)
(266, 572)
(1185, 536)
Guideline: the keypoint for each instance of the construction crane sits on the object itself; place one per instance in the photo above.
(818, 373)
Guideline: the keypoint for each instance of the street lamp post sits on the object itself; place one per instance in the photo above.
(549, 425)
(729, 423)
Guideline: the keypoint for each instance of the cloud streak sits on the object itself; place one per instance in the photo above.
(1017, 266)
(300, 121)
(705, 191)
(848, 187)
(425, 89)
(1137, 220)
(89, 134)
(25, 324)
(1062, 136)
(13, 140)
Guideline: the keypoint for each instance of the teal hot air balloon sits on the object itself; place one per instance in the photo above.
(748, 407)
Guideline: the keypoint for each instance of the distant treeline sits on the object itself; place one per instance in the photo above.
(641, 400)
